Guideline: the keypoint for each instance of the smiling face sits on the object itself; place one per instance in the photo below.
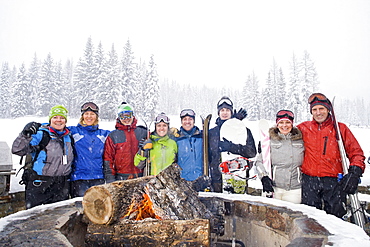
(284, 126)
(161, 129)
(89, 118)
(58, 123)
(320, 113)
(225, 114)
(187, 123)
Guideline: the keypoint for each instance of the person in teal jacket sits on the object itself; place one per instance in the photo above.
(160, 148)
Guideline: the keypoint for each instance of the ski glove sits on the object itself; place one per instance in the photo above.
(30, 129)
(350, 181)
(368, 160)
(144, 147)
(224, 145)
(109, 177)
(267, 184)
(201, 183)
(241, 114)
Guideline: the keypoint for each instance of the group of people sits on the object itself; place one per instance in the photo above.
(66, 161)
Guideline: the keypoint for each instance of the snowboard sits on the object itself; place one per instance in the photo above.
(235, 131)
(265, 149)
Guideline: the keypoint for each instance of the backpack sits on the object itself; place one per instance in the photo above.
(29, 173)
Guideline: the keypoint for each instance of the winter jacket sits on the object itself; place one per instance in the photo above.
(322, 156)
(89, 147)
(286, 159)
(190, 153)
(162, 155)
(248, 150)
(55, 159)
(121, 146)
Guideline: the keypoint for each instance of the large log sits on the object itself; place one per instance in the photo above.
(150, 232)
(171, 197)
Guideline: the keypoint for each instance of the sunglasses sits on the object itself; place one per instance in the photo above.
(227, 101)
(90, 106)
(125, 115)
(162, 118)
(285, 113)
(187, 112)
(317, 97)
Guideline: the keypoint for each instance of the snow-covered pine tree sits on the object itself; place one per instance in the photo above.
(49, 89)
(20, 94)
(268, 106)
(110, 92)
(34, 87)
(5, 89)
(250, 97)
(127, 73)
(84, 77)
(152, 90)
(295, 101)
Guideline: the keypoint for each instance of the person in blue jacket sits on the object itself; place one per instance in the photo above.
(89, 140)
(190, 147)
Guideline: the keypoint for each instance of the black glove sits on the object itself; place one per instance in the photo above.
(368, 160)
(241, 114)
(109, 177)
(30, 129)
(201, 183)
(144, 146)
(224, 145)
(267, 184)
(350, 181)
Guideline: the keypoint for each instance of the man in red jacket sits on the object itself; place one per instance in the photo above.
(122, 145)
(322, 160)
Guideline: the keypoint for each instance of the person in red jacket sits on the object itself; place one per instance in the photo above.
(122, 145)
(322, 161)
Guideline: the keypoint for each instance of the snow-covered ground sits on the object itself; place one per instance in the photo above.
(345, 234)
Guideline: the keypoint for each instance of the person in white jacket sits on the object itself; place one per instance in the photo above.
(287, 150)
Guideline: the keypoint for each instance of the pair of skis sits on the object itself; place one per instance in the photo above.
(356, 210)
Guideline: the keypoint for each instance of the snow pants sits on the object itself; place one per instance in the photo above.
(46, 190)
(324, 193)
(79, 187)
(293, 196)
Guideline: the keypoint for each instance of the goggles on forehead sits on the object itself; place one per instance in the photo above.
(187, 112)
(125, 115)
(90, 106)
(162, 118)
(317, 97)
(227, 101)
(285, 113)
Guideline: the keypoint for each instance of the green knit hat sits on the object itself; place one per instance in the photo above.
(124, 107)
(58, 110)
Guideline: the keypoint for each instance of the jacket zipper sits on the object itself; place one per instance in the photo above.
(325, 143)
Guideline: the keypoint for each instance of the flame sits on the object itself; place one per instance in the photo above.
(142, 210)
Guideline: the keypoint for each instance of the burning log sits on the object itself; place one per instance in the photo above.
(166, 196)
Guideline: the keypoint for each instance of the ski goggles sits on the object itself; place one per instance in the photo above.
(317, 97)
(285, 114)
(125, 115)
(226, 101)
(187, 112)
(162, 118)
(89, 106)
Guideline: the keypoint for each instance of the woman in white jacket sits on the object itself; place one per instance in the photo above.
(286, 148)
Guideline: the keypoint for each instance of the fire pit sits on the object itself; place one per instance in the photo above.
(156, 210)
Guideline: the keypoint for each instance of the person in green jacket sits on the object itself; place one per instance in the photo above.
(160, 149)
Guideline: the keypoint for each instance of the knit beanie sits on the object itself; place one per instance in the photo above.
(124, 107)
(58, 110)
(327, 104)
(224, 102)
(284, 115)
